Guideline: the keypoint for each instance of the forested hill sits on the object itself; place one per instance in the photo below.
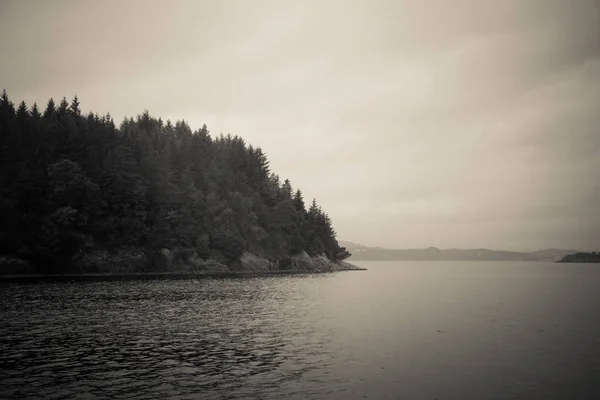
(73, 182)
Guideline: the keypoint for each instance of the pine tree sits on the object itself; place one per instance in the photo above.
(7, 110)
(299, 202)
(22, 113)
(75, 106)
(50, 109)
(288, 192)
(35, 112)
(63, 107)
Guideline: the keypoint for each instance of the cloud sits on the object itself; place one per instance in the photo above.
(414, 123)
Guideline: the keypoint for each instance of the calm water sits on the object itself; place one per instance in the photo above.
(397, 331)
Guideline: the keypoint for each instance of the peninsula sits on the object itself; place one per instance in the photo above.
(81, 195)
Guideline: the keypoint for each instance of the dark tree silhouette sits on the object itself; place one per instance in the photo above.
(71, 182)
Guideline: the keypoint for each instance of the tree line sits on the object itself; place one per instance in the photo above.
(72, 182)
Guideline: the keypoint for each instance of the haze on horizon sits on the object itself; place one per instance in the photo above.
(414, 123)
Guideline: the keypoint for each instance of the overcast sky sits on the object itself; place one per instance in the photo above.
(414, 123)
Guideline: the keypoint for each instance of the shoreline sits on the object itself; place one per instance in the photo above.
(108, 276)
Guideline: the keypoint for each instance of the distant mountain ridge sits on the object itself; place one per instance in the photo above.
(366, 253)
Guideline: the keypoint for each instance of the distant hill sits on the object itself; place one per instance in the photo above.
(366, 253)
(349, 244)
(355, 246)
(581, 258)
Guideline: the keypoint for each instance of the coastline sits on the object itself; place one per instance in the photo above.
(108, 276)
(130, 265)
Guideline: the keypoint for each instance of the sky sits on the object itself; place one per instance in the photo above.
(414, 123)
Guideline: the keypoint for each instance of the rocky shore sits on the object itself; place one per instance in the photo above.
(170, 264)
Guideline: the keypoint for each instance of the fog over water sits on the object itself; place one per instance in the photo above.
(415, 123)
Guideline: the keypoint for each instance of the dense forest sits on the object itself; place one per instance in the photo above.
(72, 182)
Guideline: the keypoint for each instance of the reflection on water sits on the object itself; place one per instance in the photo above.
(399, 330)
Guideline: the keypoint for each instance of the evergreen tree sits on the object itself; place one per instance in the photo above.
(299, 202)
(71, 182)
(288, 192)
(63, 107)
(50, 109)
(35, 112)
(75, 106)
(22, 113)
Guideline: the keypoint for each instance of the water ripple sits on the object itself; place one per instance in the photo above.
(149, 339)
(449, 331)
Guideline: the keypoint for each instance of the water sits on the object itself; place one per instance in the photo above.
(397, 331)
